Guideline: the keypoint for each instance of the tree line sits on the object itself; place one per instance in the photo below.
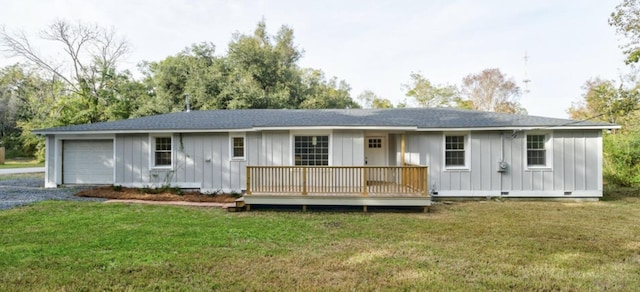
(259, 70)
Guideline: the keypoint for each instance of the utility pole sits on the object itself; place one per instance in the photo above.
(526, 79)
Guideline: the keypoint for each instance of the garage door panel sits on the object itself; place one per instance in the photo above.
(88, 161)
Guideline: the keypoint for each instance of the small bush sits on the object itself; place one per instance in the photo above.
(117, 188)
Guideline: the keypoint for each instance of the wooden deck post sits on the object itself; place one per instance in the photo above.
(426, 181)
(304, 181)
(248, 177)
(364, 181)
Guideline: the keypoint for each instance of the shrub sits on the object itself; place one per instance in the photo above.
(621, 165)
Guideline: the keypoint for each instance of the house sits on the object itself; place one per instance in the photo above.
(337, 156)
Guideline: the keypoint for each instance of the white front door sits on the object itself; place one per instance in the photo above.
(375, 152)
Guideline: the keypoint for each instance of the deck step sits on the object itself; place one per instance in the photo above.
(239, 206)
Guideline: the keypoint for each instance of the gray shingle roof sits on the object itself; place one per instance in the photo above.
(421, 118)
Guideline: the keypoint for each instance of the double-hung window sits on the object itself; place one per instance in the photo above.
(237, 146)
(536, 150)
(311, 150)
(456, 152)
(162, 151)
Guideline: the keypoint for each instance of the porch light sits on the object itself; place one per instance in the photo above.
(314, 140)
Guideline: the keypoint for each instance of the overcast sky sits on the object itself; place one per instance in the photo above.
(375, 45)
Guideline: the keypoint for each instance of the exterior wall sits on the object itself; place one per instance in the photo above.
(275, 149)
(576, 165)
(203, 160)
(347, 148)
(200, 161)
(132, 159)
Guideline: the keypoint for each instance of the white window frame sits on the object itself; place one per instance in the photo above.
(467, 151)
(548, 147)
(244, 146)
(292, 144)
(152, 151)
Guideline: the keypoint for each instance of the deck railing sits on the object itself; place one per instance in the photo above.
(336, 180)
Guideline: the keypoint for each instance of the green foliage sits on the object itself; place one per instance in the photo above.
(426, 94)
(626, 20)
(621, 165)
(259, 71)
(605, 101)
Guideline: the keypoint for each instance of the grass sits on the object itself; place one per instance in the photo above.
(21, 163)
(485, 245)
(38, 175)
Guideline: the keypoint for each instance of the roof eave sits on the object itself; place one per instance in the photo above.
(388, 128)
(514, 128)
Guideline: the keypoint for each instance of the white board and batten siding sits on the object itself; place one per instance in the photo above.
(200, 160)
(347, 148)
(575, 168)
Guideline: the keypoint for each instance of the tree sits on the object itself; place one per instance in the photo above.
(317, 92)
(259, 71)
(89, 67)
(491, 90)
(371, 100)
(426, 94)
(626, 20)
(605, 101)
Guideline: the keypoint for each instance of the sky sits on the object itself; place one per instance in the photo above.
(373, 45)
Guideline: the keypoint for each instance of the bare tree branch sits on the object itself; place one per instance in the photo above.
(92, 54)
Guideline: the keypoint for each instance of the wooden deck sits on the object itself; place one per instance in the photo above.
(337, 186)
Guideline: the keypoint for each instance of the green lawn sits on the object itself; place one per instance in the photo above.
(512, 245)
(21, 163)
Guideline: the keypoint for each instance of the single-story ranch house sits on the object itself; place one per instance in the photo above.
(336, 157)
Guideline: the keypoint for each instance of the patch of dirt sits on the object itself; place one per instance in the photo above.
(109, 192)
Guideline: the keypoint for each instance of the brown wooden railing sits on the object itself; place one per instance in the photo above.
(336, 180)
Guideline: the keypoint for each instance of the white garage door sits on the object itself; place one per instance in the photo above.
(87, 162)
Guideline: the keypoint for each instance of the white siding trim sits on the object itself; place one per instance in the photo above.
(184, 185)
(521, 194)
(48, 183)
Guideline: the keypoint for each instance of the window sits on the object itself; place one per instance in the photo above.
(311, 150)
(454, 151)
(536, 152)
(237, 147)
(375, 143)
(162, 152)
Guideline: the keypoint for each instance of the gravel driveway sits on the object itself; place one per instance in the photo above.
(23, 191)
